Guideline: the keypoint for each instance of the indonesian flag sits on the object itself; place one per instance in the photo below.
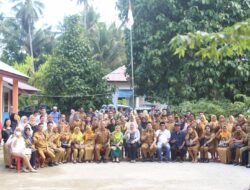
(130, 19)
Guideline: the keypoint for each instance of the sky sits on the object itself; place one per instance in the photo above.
(55, 10)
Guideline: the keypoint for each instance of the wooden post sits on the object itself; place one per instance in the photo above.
(1, 98)
(15, 96)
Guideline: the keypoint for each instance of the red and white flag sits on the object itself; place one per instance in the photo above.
(130, 19)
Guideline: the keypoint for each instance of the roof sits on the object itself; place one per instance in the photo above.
(8, 71)
(118, 75)
(23, 87)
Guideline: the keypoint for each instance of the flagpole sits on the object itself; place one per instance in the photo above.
(132, 69)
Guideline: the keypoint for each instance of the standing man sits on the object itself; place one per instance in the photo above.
(148, 139)
(55, 114)
(163, 136)
(102, 147)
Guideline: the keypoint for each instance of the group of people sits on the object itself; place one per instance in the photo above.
(50, 139)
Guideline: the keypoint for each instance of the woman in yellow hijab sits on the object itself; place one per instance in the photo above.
(116, 144)
(78, 146)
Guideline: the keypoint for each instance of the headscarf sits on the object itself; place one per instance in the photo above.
(89, 134)
(78, 137)
(203, 122)
(117, 136)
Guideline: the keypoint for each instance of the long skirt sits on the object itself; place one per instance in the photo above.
(116, 152)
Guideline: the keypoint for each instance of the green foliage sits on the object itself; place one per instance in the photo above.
(223, 107)
(123, 102)
(16, 35)
(73, 72)
(164, 77)
(231, 41)
(25, 67)
(108, 46)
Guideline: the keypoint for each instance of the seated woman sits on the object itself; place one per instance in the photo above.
(77, 145)
(57, 146)
(132, 136)
(192, 143)
(29, 144)
(66, 142)
(89, 143)
(116, 144)
(18, 149)
(235, 143)
(207, 144)
(223, 136)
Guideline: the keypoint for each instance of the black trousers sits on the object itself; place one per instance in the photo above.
(132, 150)
(175, 151)
(33, 158)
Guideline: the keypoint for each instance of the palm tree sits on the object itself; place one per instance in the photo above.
(28, 12)
(86, 6)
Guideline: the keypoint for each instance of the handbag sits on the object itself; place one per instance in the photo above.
(66, 145)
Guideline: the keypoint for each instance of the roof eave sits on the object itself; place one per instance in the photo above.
(13, 76)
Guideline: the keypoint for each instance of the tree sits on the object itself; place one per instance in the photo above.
(28, 12)
(86, 6)
(16, 45)
(164, 77)
(73, 72)
(231, 41)
(108, 46)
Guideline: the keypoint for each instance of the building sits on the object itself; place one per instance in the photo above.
(12, 84)
(120, 80)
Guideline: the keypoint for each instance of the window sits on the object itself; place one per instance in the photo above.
(6, 102)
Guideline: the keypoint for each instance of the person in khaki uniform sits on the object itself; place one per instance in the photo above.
(82, 114)
(206, 144)
(66, 143)
(235, 143)
(89, 143)
(42, 147)
(57, 146)
(247, 141)
(62, 123)
(192, 142)
(170, 123)
(102, 142)
(50, 136)
(76, 122)
(223, 136)
(148, 139)
(78, 145)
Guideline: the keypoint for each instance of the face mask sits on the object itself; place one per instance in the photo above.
(18, 133)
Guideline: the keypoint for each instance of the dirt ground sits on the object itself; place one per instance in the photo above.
(138, 176)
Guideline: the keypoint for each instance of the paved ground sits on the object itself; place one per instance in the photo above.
(127, 176)
(139, 176)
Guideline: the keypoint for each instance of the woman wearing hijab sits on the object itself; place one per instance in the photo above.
(18, 148)
(223, 137)
(132, 136)
(206, 144)
(66, 142)
(78, 145)
(192, 142)
(24, 123)
(116, 144)
(89, 143)
(29, 145)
